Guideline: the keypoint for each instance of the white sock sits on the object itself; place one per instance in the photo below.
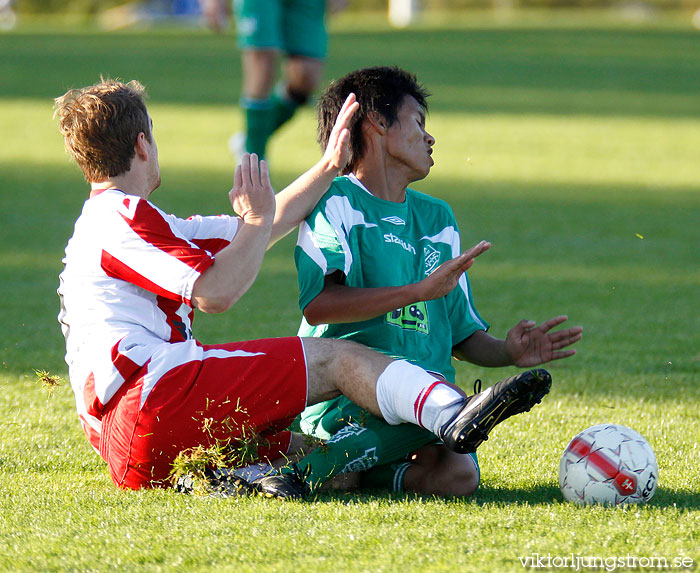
(407, 393)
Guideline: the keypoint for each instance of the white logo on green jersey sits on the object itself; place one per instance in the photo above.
(391, 238)
(364, 462)
(432, 258)
(351, 429)
(395, 220)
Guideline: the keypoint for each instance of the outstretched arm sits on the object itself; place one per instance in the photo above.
(338, 303)
(295, 202)
(525, 345)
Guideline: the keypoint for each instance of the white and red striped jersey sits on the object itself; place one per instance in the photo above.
(126, 290)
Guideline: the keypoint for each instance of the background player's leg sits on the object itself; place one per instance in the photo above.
(259, 68)
(301, 77)
(304, 42)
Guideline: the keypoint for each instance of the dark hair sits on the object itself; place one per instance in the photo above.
(100, 124)
(379, 89)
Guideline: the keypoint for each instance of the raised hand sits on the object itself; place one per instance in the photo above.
(252, 196)
(531, 345)
(337, 152)
(447, 275)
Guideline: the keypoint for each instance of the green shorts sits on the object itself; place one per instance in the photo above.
(295, 27)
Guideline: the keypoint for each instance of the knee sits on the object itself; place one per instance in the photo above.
(259, 73)
(464, 484)
(303, 76)
(302, 85)
(461, 482)
(298, 96)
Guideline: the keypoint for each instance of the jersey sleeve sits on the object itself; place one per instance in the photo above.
(209, 233)
(321, 249)
(145, 247)
(463, 316)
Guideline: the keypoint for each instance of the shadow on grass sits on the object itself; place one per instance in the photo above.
(538, 495)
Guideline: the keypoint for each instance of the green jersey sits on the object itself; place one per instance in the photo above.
(378, 243)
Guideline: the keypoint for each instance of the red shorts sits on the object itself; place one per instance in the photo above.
(230, 390)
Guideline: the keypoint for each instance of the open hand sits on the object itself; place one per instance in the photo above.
(531, 345)
(337, 152)
(252, 196)
(447, 275)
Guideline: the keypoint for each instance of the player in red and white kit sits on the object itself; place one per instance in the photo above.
(127, 314)
(145, 389)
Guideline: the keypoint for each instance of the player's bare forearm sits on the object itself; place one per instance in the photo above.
(216, 13)
(296, 201)
(483, 349)
(338, 303)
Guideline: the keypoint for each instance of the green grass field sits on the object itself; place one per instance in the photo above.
(571, 143)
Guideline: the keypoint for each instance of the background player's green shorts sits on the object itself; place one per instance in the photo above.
(295, 27)
(325, 419)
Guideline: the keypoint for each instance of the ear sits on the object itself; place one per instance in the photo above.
(141, 146)
(377, 122)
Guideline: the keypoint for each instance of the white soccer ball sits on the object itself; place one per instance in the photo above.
(608, 464)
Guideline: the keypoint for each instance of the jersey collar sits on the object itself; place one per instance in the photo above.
(357, 182)
(96, 192)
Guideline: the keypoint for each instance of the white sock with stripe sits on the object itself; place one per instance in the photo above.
(407, 393)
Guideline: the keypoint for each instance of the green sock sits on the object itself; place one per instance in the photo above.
(260, 123)
(387, 476)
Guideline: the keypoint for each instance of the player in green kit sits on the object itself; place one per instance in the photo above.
(270, 31)
(381, 264)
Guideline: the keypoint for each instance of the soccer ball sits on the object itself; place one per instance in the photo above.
(608, 464)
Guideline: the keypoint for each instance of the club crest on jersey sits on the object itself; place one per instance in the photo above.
(394, 220)
(391, 238)
(432, 259)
